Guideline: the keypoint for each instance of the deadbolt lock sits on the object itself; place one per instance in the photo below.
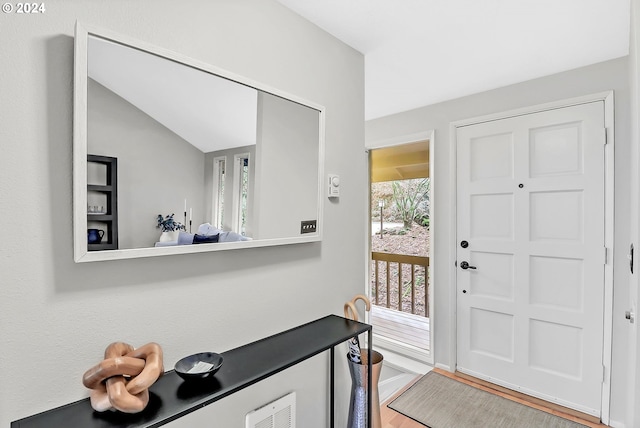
(630, 316)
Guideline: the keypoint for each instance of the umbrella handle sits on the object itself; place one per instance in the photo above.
(364, 298)
(350, 307)
(350, 310)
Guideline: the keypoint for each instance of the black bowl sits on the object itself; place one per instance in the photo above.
(187, 368)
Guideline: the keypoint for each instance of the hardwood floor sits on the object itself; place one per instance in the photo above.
(399, 421)
(392, 419)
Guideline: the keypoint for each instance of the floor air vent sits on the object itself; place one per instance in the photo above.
(277, 414)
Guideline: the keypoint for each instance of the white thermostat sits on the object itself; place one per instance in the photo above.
(334, 186)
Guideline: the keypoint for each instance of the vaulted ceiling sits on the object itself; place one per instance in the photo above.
(421, 52)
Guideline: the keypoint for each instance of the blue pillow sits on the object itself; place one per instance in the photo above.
(204, 239)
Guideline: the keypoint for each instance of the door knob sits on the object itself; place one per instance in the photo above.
(466, 265)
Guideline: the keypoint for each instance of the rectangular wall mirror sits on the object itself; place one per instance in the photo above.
(237, 164)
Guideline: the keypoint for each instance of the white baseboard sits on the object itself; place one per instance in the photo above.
(616, 424)
(388, 387)
(403, 363)
(444, 367)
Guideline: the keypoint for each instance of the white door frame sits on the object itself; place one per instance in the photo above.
(607, 98)
(390, 142)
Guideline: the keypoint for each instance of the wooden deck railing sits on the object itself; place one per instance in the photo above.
(400, 282)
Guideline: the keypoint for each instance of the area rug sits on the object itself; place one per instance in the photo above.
(437, 401)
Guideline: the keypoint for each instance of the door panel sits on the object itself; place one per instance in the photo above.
(530, 201)
(556, 282)
(495, 280)
(492, 334)
(556, 150)
(491, 157)
(494, 216)
(556, 216)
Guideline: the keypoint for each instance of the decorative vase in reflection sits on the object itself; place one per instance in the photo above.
(94, 236)
(358, 402)
(169, 236)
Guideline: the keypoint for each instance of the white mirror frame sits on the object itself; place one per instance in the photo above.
(80, 135)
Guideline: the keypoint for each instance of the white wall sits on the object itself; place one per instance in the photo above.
(56, 317)
(286, 131)
(611, 75)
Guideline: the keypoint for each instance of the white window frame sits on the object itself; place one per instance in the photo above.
(238, 159)
(218, 198)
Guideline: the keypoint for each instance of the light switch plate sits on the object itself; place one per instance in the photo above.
(308, 226)
(333, 186)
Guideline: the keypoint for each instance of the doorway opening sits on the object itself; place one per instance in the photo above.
(400, 196)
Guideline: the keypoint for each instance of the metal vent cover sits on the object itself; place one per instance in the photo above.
(280, 413)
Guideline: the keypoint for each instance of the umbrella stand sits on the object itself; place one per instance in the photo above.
(358, 369)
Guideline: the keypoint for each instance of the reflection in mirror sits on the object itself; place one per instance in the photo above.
(236, 165)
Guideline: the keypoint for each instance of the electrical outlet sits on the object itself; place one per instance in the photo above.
(308, 226)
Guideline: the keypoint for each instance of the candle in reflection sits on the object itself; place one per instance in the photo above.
(185, 211)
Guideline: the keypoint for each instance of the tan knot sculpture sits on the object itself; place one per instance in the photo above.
(121, 381)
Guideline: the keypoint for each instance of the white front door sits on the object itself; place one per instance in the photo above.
(531, 235)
